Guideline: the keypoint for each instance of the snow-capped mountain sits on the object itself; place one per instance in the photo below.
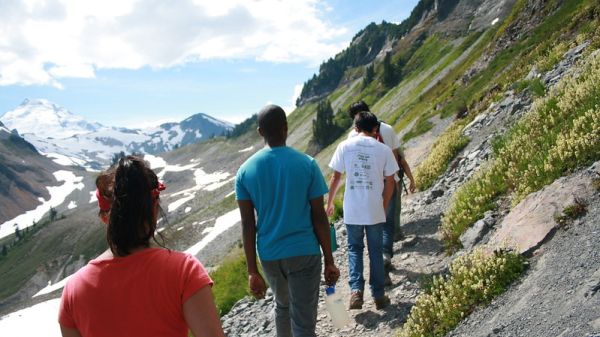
(46, 120)
(71, 140)
(193, 129)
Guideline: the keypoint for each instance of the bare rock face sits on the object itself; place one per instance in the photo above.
(532, 221)
(491, 13)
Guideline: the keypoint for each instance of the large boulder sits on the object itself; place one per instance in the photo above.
(533, 220)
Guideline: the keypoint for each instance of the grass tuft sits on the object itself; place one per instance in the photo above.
(231, 281)
(572, 212)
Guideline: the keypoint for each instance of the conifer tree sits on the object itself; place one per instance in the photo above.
(389, 71)
(17, 232)
(324, 130)
(369, 75)
(53, 214)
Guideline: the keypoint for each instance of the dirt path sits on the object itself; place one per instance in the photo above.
(418, 256)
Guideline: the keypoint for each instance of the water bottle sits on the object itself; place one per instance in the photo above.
(334, 245)
(336, 308)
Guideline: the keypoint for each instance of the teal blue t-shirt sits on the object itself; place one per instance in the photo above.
(280, 182)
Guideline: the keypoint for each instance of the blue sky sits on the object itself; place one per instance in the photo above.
(136, 63)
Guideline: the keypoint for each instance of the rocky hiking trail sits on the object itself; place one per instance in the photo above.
(419, 255)
(557, 295)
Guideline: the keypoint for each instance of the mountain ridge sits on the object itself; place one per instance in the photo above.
(71, 140)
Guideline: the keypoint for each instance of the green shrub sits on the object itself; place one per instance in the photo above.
(549, 59)
(572, 212)
(536, 86)
(231, 281)
(421, 126)
(444, 149)
(474, 279)
(338, 210)
(469, 204)
(596, 184)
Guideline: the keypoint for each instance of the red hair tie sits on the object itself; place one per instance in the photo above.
(156, 191)
(103, 202)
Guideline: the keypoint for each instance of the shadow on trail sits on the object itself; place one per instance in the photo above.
(413, 276)
(426, 226)
(395, 314)
(423, 246)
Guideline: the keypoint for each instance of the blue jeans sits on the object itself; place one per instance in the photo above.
(389, 228)
(295, 284)
(356, 247)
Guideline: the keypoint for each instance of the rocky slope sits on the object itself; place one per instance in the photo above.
(559, 269)
(558, 295)
(24, 173)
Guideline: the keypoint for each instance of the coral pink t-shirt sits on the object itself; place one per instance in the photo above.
(141, 294)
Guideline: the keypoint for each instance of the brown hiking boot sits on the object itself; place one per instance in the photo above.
(387, 280)
(356, 300)
(399, 236)
(382, 302)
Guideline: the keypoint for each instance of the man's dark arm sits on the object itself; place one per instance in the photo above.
(404, 164)
(406, 169)
(255, 281)
(321, 228)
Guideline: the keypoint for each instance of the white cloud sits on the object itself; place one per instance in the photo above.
(153, 123)
(297, 90)
(237, 118)
(72, 70)
(43, 41)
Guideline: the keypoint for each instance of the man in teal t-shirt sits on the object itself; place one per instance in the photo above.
(286, 189)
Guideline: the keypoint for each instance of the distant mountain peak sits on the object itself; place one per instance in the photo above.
(4, 132)
(202, 116)
(44, 118)
(53, 129)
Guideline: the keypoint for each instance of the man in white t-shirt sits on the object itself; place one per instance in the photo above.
(370, 167)
(391, 230)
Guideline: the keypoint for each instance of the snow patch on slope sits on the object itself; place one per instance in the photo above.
(52, 287)
(155, 161)
(222, 224)
(37, 320)
(58, 194)
(65, 160)
(204, 181)
(246, 149)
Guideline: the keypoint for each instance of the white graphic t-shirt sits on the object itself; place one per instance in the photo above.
(366, 163)
(389, 137)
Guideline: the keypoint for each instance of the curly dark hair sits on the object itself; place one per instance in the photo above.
(357, 107)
